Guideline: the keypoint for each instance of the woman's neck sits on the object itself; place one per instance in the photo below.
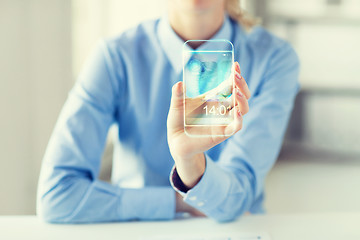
(196, 25)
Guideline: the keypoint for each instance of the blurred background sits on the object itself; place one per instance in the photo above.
(44, 43)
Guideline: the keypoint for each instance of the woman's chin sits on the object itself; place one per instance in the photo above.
(198, 5)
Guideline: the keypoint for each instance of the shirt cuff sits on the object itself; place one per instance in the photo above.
(177, 183)
(150, 203)
(209, 192)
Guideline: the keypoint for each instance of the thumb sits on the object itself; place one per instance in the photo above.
(175, 121)
(177, 97)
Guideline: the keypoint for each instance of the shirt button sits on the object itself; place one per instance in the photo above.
(200, 204)
(193, 198)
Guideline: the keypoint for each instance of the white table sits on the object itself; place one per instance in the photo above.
(334, 226)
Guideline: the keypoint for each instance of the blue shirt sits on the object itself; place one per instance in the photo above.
(127, 81)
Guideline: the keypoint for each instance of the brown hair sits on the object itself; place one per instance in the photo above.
(238, 14)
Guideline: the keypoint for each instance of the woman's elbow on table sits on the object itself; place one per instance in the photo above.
(233, 206)
(59, 203)
(228, 216)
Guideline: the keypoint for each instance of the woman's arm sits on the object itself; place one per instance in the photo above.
(229, 187)
(69, 190)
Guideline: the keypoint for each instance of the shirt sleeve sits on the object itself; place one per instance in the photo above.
(69, 190)
(235, 182)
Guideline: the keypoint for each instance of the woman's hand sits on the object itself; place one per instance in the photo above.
(188, 152)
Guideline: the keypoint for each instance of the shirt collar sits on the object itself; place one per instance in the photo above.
(173, 44)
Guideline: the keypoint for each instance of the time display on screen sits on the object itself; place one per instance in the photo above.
(213, 110)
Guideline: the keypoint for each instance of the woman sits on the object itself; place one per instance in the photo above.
(134, 80)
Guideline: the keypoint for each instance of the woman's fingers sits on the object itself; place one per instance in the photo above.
(241, 101)
(240, 81)
(236, 125)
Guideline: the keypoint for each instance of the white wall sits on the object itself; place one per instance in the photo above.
(35, 75)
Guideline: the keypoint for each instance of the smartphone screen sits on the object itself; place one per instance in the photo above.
(208, 86)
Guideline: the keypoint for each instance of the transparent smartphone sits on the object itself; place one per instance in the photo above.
(208, 85)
